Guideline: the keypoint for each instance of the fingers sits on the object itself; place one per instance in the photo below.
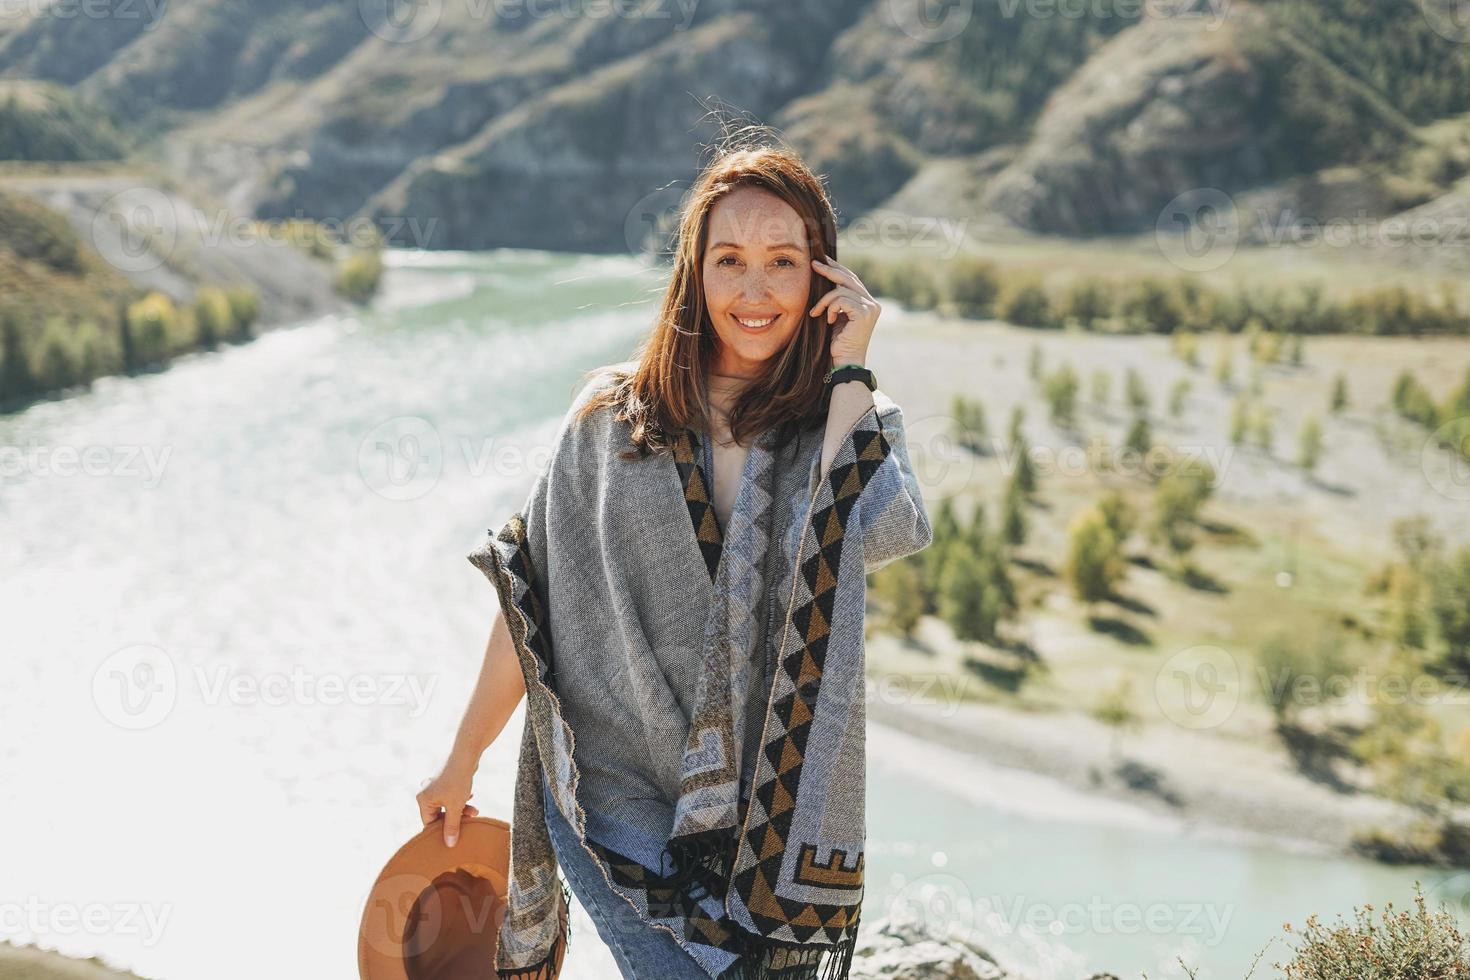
(837, 293)
(428, 809)
(452, 817)
(839, 274)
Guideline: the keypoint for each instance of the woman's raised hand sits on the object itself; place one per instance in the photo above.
(445, 796)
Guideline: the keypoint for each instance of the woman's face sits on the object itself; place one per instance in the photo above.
(757, 278)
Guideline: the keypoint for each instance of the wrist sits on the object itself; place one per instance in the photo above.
(462, 762)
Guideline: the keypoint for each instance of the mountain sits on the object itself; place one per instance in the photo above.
(473, 124)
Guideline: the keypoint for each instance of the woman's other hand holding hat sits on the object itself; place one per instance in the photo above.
(445, 796)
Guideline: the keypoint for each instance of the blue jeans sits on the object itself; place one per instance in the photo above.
(642, 951)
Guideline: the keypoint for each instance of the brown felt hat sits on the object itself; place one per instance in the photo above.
(434, 912)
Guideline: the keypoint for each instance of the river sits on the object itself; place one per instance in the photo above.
(239, 631)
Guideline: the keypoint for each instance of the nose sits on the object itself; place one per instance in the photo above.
(755, 285)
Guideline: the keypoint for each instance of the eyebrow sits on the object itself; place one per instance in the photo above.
(770, 248)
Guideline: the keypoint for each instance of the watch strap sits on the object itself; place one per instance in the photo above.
(848, 372)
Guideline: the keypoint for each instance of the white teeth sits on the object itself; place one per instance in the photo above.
(754, 324)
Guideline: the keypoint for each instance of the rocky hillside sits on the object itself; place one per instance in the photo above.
(477, 125)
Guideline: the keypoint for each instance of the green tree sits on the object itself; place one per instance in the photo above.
(1240, 418)
(1178, 498)
(1119, 515)
(901, 584)
(1094, 563)
(1224, 361)
(1013, 431)
(1136, 391)
(975, 590)
(1339, 393)
(15, 374)
(1013, 513)
(1102, 382)
(1024, 302)
(973, 285)
(1087, 302)
(1060, 390)
(244, 304)
(1140, 438)
(1309, 443)
(153, 327)
(1177, 394)
(1451, 610)
(968, 417)
(213, 320)
(1262, 427)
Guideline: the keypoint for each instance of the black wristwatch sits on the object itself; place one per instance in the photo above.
(850, 371)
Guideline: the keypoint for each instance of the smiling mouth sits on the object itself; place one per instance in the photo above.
(756, 323)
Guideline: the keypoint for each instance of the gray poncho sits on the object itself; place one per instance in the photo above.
(642, 628)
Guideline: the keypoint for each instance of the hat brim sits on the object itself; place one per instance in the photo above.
(405, 909)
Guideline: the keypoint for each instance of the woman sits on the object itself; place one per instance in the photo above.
(682, 602)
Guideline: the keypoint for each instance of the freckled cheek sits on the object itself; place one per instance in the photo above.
(792, 296)
(719, 293)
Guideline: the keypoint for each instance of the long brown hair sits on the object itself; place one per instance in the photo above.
(666, 391)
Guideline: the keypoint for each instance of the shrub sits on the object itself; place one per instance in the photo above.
(1420, 944)
(1013, 513)
(1178, 497)
(1413, 401)
(1060, 389)
(975, 590)
(972, 287)
(15, 365)
(360, 275)
(213, 321)
(1450, 607)
(1087, 302)
(1309, 443)
(1339, 399)
(53, 355)
(1094, 563)
(1136, 391)
(33, 231)
(1150, 305)
(969, 422)
(910, 282)
(153, 328)
(98, 350)
(1291, 668)
(1139, 439)
(1024, 303)
(244, 310)
(1177, 394)
(1118, 514)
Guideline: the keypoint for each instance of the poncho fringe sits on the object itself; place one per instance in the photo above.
(788, 866)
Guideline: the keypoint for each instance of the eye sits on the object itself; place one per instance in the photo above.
(721, 260)
(789, 263)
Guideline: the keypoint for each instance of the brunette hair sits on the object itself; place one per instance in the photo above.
(666, 389)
